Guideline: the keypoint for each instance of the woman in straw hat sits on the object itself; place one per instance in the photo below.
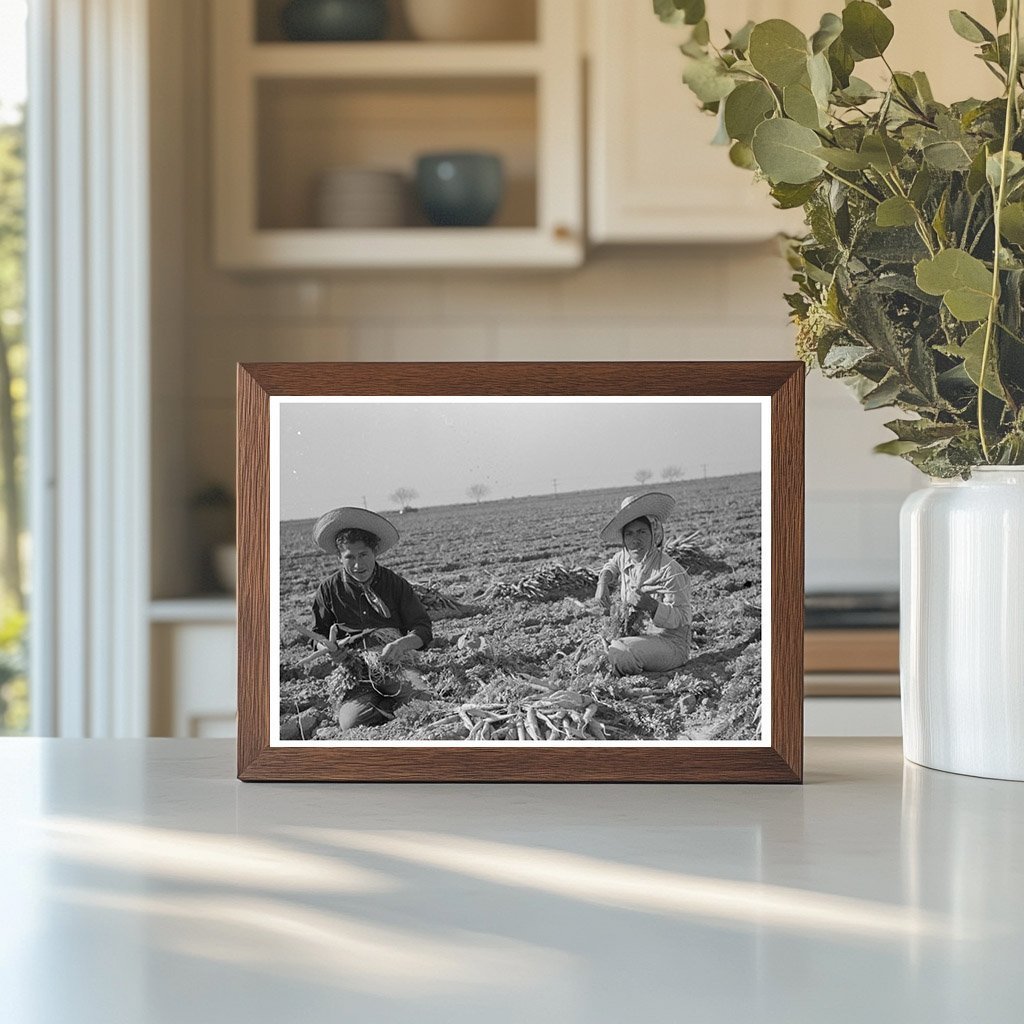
(363, 595)
(654, 588)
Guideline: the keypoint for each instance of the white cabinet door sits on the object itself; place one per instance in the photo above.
(193, 679)
(653, 174)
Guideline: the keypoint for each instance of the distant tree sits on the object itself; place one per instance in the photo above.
(403, 496)
(642, 476)
(672, 473)
(13, 356)
(478, 491)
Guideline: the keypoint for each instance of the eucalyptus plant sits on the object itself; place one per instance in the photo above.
(909, 281)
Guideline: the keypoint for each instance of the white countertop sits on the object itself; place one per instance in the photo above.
(144, 885)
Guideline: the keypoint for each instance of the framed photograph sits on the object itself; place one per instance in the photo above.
(513, 572)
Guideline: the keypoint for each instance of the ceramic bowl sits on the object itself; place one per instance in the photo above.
(334, 20)
(462, 189)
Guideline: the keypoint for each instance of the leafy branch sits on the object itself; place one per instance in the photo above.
(1004, 162)
(911, 274)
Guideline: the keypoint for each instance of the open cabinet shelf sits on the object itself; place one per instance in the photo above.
(287, 114)
(394, 60)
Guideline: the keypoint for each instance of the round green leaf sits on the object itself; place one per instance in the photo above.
(976, 175)
(882, 152)
(844, 159)
(841, 61)
(866, 29)
(947, 156)
(800, 105)
(1014, 169)
(968, 28)
(923, 181)
(746, 107)
(674, 12)
(779, 51)
(820, 75)
(963, 281)
(858, 91)
(789, 197)
(707, 80)
(784, 151)
(667, 11)
(895, 447)
(951, 268)
(829, 30)
(742, 156)
(972, 353)
(895, 212)
(739, 41)
(1011, 225)
(924, 88)
(694, 11)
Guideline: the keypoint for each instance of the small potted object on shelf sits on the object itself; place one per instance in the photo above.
(460, 189)
(467, 21)
(361, 197)
(334, 20)
(214, 509)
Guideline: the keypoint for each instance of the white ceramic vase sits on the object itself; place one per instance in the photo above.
(962, 624)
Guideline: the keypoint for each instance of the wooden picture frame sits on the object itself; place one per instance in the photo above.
(775, 756)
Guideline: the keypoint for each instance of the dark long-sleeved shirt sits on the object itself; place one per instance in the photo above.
(338, 602)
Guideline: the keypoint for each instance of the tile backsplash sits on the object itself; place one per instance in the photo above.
(716, 302)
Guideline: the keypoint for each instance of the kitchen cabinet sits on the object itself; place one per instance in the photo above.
(653, 175)
(193, 668)
(287, 113)
(852, 682)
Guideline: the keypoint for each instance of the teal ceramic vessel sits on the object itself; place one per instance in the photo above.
(332, 21)
(461, 190)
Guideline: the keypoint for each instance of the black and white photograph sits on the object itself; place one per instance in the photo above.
(520, 570)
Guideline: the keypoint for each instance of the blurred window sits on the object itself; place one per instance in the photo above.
(14, 547)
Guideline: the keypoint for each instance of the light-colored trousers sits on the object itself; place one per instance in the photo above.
(635, 655)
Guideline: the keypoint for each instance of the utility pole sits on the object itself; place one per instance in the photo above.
(555, 483)
(705, 465)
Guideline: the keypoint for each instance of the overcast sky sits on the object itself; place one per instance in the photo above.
(340, 453)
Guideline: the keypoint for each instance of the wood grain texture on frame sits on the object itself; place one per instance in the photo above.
(781, 761)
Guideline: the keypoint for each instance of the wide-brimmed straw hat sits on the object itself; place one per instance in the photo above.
(330, 524)
(654, 505)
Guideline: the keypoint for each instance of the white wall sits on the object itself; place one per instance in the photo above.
(720, 302)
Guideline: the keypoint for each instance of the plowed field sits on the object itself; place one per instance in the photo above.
(529, 665)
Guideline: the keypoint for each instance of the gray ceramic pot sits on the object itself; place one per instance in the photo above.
(334, 20)
(460, 189)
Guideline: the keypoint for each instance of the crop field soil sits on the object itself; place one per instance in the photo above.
(518, 640)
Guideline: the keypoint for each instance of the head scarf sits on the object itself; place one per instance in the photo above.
(634, 574)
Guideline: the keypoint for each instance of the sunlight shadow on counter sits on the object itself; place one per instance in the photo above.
(574, 876)
(330, 949)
